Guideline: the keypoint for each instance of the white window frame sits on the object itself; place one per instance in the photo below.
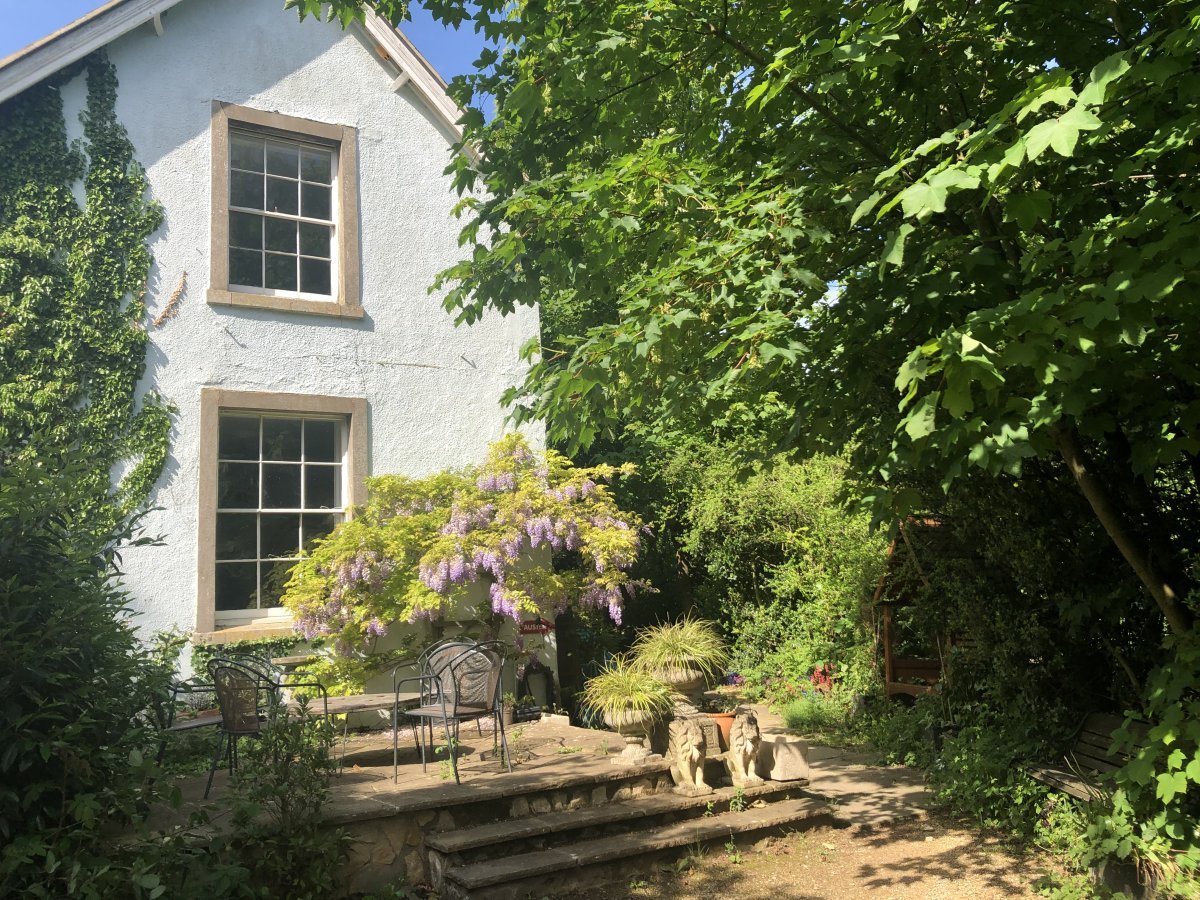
(345, 300)
(334, 222)
(232, 616)
(215, 401)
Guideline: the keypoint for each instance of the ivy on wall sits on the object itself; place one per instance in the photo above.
(72, 277)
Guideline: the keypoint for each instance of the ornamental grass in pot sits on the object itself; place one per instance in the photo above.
(687, 655)
(630, 699)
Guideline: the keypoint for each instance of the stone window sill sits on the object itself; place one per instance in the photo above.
(241, 300)
(251, 631)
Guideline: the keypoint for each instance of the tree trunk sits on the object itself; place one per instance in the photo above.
(1165, 590)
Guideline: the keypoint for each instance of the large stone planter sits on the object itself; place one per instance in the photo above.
(634, 726)
(688, 684)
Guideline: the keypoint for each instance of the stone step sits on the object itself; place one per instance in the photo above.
(484, 800)
(545, 872)
(495, 835)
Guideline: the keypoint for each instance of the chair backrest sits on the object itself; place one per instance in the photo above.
(472, 678)
(239, 689)
(259, 664)
(434, 661)
(437, 656)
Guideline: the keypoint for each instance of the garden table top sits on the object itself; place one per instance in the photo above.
(339, 706)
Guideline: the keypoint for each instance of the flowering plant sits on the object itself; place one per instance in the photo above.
(822, 678)
(420, 544)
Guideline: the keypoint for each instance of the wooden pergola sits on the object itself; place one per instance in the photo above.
(904, 676)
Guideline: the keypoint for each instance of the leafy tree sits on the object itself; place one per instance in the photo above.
(958, 232)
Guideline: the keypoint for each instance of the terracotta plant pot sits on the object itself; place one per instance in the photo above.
(724, 722)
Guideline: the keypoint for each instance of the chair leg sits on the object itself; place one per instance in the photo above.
(419, 742)
(345, 737)
(222, 741)
(451, 750)
(504, 741)
(395, 745)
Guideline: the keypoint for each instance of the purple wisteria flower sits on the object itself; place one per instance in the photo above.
(503, 481)
(502, 604)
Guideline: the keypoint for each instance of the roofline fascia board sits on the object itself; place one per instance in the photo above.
(25, 68)
(422, 76)
(35, 63)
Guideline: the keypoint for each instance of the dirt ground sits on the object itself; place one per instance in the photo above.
(932, 859)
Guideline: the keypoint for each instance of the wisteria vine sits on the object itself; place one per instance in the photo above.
(524, 534)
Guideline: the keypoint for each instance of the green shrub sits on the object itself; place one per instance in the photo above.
(815, 713)
(278, 791)
(979, 773)
(77, 687)
(780, 561)
(1154, 817)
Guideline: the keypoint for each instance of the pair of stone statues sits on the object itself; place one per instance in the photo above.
(687, 749)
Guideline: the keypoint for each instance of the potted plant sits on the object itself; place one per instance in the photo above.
(508, 707)
(721, 709)
(687, 654)
(528, 709)
(630, 699)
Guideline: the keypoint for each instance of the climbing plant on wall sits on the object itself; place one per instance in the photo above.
(72, 277)
(421, 546)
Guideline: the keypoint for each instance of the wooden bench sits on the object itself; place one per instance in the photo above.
(1091, 756)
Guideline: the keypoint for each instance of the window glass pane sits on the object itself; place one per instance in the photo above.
(317, 204)
(321, 441)
(236, 585)
(281, 439)
(275, 578)
(246, 189)
(245, 230)
(283, 160)
(237, 485)
(239, 437)
(315, 239)
(246, 152)
(281, 234)
(237, 536)
(245, 268)
(281, 486)
(314, 276)
(280, 535)
(281, 195)
(316, 165)
(317, 525)
(281, 272)
(320, 487)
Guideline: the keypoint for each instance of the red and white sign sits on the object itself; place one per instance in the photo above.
(536, 626)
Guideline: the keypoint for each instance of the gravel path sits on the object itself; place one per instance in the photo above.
(928, 859)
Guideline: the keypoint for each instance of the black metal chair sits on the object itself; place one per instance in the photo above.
(462, 684)
(249, 697)
(431, 661)
(199, 697)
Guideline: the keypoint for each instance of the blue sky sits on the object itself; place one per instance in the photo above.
(23, 22)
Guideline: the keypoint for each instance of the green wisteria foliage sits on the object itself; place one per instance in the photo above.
(419, 546)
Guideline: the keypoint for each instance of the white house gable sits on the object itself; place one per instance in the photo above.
(300, 171)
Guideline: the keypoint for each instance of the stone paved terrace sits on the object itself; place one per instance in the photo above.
(546, 749)
(556, 767)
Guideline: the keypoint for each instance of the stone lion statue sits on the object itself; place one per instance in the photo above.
(744, 740)
(686, 749)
